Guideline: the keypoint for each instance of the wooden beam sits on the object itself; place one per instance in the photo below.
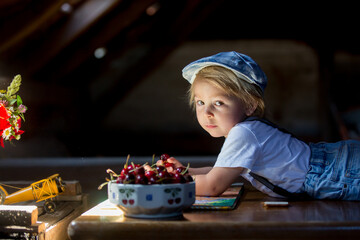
(108, 29)
(7, 3)
(30, 27)
(78, 23)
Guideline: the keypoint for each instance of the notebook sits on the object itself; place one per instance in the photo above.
(227, 201)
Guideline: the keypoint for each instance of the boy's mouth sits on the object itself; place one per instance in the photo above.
(210, 126)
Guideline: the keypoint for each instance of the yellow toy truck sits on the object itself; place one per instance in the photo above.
(43, 190)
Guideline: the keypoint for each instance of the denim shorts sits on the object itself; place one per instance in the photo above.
(334, 171)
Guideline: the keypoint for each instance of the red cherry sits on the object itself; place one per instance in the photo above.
(129, 178)
(179, 178)
(140, 170)
(120, 179)
(124, 171)
(124, 201)
(165, 177)
(188, 178)
(163, 174)
(181, 170)
(132, 166)
(149, 174)
(170, 201)
(167, 164)
(152, 180)
(177, 200)
(131, 201)
(164, 157)
(141, 179)
(160, 168)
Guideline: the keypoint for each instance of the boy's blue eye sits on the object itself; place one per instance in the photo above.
(199, 102)
(218, 103)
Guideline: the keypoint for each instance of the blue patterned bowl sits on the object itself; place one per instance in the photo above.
(152, 201)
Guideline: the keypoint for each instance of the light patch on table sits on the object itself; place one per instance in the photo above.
(105, 208)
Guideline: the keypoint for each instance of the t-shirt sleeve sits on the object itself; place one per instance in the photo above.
(241, 149)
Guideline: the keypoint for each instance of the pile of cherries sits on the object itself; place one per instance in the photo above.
(162, 172)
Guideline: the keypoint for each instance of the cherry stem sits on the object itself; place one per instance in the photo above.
(127, 160)
(112, 173)
(142, 166)
(153, 159)
(187, 168)
(102, 185)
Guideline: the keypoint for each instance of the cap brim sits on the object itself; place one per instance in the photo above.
(191, 70)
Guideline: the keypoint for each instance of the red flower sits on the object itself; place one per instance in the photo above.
(4, 116)
(1, 139)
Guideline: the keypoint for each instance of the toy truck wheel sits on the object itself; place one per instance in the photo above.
(2, 196)
(49, 206)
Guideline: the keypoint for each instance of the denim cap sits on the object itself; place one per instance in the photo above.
(241, 65)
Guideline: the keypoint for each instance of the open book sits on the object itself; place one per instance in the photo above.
(227, 201)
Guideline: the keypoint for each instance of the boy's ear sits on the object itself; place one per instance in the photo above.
(251, 109)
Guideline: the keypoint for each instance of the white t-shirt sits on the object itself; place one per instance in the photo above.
(268, 152)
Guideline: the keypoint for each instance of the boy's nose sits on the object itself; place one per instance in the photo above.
(209, 111)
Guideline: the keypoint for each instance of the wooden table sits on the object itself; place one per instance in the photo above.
(300, 220)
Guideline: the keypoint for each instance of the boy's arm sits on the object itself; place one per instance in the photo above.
(192, 171)
(210, 181)
(202, 170)
(216, 181)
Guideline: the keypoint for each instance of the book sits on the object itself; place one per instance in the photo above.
(229, 200)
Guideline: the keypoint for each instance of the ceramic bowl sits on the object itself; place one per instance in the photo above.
(152, 201)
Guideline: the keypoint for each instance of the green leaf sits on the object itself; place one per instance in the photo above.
(12, 101)
(22, 116)
(19, 100)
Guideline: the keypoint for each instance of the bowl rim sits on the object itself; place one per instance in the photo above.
(151, 185)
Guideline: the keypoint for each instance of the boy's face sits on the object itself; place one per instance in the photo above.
(216, 111)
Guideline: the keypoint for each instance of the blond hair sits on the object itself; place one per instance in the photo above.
(248, 93)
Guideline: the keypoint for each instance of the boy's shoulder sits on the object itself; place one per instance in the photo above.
(245, 130)
(256, 123)
(250, 125)
(255, 129)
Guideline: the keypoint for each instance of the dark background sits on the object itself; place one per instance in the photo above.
(133, 100)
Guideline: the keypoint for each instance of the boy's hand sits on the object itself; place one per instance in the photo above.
(171, 164)
(175, 162)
